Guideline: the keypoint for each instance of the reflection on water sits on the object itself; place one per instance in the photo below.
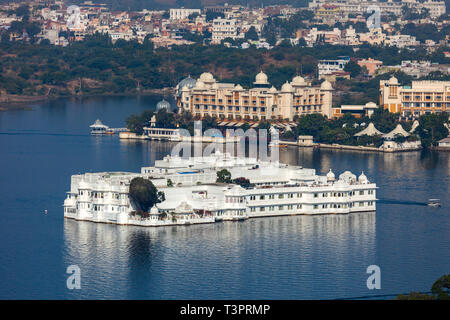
(221, 260)
(274, 258)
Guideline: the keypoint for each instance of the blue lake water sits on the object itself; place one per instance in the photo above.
(300, 257)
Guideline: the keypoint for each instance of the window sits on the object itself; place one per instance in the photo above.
(281, 196)
(261, 197)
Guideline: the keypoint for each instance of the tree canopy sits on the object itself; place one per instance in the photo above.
(144, 194)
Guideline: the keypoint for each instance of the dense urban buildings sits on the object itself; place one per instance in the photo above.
(206, 96)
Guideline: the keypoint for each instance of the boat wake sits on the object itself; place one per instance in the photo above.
(395, 201)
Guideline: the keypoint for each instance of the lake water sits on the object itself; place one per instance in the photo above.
(300, 257)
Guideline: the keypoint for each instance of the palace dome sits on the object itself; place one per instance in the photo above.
(298, 81)
(326, 85)
(261, 78)
(238, 88)
(287, 87)
(154, 210)
(188, 82)
(393, 80)
(347, 176)
(273, 90)
(362, 178)
(330, 176)
(199, 85)
(163, 104)
(206, 77)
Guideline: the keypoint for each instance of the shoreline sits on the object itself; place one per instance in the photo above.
(14, 102)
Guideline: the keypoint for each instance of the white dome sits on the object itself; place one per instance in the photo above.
(154, 210)
(273, 90)
(326, 85)
(287, 87)
(371, 105)
(347, 176)
(393, 80)
(298, 81)
(199, 85)
(362, 178)
(238, 88)
(184, 207)
(261, 78)
(330, 176)
(206, 77)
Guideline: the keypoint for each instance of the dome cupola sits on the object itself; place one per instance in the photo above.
(163, 104)
(330, 176)
(261, 79)
(362, 178)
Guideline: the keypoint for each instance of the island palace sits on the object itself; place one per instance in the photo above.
(193, 196)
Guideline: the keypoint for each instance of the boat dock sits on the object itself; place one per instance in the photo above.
(99, 128)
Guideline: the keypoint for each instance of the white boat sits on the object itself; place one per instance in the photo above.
(434, 202)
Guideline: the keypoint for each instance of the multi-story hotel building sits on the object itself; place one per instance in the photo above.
(419, 98)
(206, 96)
(222, 29)
(436, 8)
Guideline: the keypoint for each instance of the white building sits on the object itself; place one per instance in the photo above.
(327, 67)
(401, 41)
(182, 13)
(222, 29)
(193, 196)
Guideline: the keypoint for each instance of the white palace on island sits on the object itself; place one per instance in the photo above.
(205, 96)
(193, 196)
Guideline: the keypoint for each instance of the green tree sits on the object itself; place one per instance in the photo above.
(223, 176)
(354, 68)
(251, 34)
(144, 194)
(431, 128)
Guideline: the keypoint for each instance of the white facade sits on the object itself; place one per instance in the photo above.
(222, 29)
(182, 13)
(327, 67)
(193, 196)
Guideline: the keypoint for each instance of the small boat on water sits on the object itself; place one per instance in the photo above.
(276, 144)
(434, 202)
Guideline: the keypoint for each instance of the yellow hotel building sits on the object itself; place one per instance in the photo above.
(419, 98)
(227, 101)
